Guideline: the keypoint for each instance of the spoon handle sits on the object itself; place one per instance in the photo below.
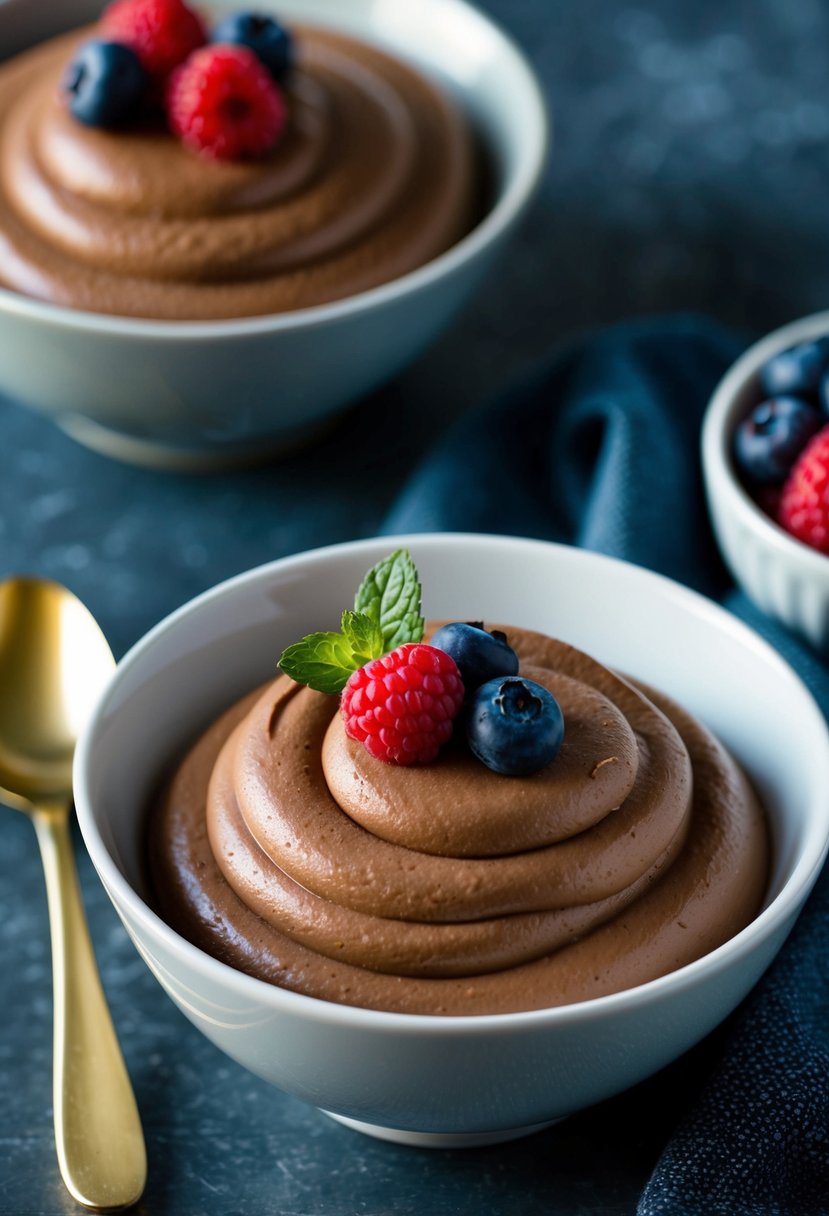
(98, 1133)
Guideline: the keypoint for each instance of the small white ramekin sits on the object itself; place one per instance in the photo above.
(784, 577)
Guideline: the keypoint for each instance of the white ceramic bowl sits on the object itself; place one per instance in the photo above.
(784, 577)
(181, 394)
(427, 1079)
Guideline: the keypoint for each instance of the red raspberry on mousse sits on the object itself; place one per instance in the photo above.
(224, 103)
(161, 32)
(402, 706)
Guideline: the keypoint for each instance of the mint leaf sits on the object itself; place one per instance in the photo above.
(364, 636)
(390, 595)
(323, 661)
(386, 614)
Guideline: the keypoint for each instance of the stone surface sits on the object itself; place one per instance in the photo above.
(689, 171)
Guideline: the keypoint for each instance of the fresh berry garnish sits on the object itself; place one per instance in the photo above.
(104, 84)
(398, 696)
(161, 32)
(798, 370)
(769, 440)
(479, 654)
(402, 706)
(223, 103)
(804, 501)
(269, 41)
(514, 725)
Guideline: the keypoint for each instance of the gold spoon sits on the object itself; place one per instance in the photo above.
(54, 661)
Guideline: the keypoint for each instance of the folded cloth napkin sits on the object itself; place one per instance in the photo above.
(600, 448)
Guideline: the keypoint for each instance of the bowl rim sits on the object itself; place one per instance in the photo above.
(721, 415)
(773, 918)
(516, 193)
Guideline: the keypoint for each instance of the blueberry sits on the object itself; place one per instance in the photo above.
(770, 439)
(105, 84)
(479, 655)
(514, 725)
(798, 370)
(263, 35)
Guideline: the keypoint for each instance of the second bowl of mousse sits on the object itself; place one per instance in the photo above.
(451, 948)
(185, 303)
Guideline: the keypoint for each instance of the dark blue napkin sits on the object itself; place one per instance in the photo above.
(600, 448)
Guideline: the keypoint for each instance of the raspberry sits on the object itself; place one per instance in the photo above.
(804, 502)
(161, 32)
(401, 707)
(223, 102)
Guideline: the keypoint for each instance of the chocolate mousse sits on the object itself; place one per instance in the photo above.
(374, 175)
(283, 848)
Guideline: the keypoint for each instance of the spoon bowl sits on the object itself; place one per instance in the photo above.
(54, 662)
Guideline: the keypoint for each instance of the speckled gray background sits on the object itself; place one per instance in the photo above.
(690, 172)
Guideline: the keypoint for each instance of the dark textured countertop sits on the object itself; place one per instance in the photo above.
(690, 171)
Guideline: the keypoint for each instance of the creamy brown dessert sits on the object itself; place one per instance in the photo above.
(281, 847)
(374, 175)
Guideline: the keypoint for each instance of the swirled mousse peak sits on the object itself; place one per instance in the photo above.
(282, 846)
(155, 166)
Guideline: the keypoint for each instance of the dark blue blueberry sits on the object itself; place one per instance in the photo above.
(798, 370)
(767, 443)
(479, 655)
(514, 726)
(105, 84)
(263, 35)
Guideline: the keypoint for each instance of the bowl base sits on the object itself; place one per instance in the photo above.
(439, 1139)
(174, 457)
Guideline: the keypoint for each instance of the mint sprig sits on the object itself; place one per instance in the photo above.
(386, 615)
(390, 595)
